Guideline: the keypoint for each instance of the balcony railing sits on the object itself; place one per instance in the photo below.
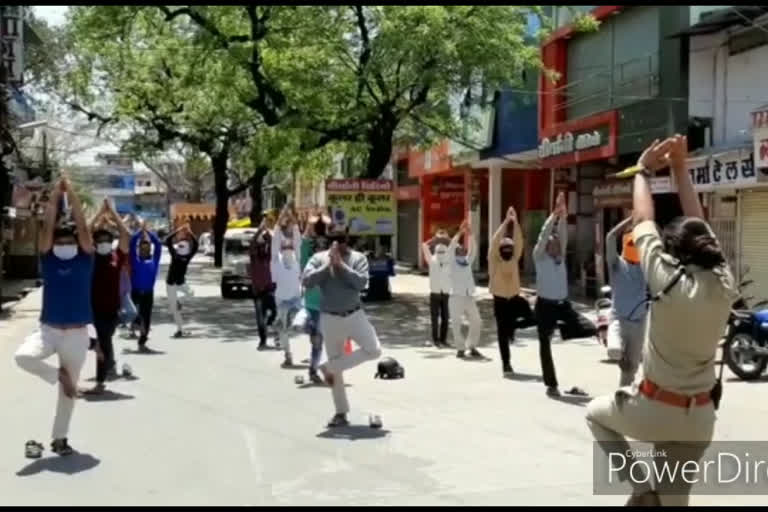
(628, 82)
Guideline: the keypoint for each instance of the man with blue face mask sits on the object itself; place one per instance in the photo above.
(463, 293)
(67, 267)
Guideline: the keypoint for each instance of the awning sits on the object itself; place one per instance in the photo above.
(716, 21)
(195, 211)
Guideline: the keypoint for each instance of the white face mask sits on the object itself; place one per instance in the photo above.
(288, 258)
(182, 248)
(65, 252)
(441, 253)
(104, 248)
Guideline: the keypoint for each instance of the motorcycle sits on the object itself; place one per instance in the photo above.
(745, 349)
(603, 307)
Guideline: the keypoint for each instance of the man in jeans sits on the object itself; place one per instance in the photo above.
(312, 243)
(67, 268)
(145, 252)
(261, 279)
(552, 304)
(341, 274)
(107, 271)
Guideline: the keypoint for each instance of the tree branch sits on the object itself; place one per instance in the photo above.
(224, 40)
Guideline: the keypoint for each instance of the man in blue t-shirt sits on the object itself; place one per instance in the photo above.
(67, 267)
(145, 251)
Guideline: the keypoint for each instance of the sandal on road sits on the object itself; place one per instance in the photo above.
(576, 391)
(33, 450)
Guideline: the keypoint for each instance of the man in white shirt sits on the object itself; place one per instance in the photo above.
(286, 275)
(439, 285)
(463, 293)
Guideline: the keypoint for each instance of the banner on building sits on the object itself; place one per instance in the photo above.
(730, 169)
(366, 207)
(761, 147)
(12, 42)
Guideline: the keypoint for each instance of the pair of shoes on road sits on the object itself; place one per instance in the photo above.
(473, 353)
(34, 450)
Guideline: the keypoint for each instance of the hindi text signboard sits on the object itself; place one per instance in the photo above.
(366, 207)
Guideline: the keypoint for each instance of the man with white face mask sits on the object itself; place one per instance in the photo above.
(107, 271)
(463, 293)
(67, 267)
(439, 285)
(182, 253)
(286, 275)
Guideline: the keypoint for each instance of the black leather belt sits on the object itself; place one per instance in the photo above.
(344, 314)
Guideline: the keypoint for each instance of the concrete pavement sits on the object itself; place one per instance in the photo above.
(212, 421)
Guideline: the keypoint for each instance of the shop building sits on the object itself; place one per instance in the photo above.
(611, 100)
(727, 105)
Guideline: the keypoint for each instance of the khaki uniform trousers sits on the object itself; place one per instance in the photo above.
(627, 413)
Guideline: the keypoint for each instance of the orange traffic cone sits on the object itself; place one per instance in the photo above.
(348, 346)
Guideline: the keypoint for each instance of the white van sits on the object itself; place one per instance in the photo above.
(236, 262)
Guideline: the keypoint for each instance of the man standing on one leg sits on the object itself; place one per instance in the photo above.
(145, 262)
(182, 252)
(107, 271)
(67, 269)
(439, 286)
(552, 304)
(629, 292)
(341, 274)
(463, 293)
(504, 275)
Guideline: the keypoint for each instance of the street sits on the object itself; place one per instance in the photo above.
(212, 421)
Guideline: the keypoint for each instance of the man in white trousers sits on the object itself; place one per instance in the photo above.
(67, 266)
(462, 298)
(182, 245)
(341, 274)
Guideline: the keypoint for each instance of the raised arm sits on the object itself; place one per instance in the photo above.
(426, 251)
(689, 199)
(195, 242)
(49, 219)
(611, 255)
(134, 246)
(546, 231)
(157, 251)
(316, 272)
(84, 237)
(471, 246)
(357, 275)
(125, 235)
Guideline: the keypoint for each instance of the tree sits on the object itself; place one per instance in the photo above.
(387, 72)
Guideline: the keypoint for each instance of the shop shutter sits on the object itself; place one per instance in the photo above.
(754, 250)
(408, 246)
(725, 230)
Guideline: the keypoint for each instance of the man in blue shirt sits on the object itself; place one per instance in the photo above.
(67, 267)
(145, 252)
(553, 309)
(626, 331)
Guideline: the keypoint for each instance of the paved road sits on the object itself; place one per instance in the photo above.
(212, 421)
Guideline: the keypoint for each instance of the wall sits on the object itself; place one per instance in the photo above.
(745, 81)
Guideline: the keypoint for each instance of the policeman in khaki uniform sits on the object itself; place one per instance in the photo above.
(672, 403)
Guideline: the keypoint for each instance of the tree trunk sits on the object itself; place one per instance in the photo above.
(219, 165)
(257, 199)
(380, 152)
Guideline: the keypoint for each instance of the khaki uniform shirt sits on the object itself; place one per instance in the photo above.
(687, 324)
(504, 276)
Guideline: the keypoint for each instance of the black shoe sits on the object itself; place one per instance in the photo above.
(287, 363)
(508, 371)
(262, 346)
(178, 334)
(315, 378)
(144, 349)
(460, 354)
(552, 391)
(475, 353)
(61, 447)
(338, 420)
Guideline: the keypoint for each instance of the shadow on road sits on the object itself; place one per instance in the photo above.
(354, 433)
(152, 352)
(107, 396)
(524, 377)
(70, 465)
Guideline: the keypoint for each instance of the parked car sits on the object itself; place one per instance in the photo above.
(206, 244)
(236, 268)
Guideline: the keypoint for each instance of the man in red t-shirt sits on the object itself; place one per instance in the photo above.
(105, 289)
